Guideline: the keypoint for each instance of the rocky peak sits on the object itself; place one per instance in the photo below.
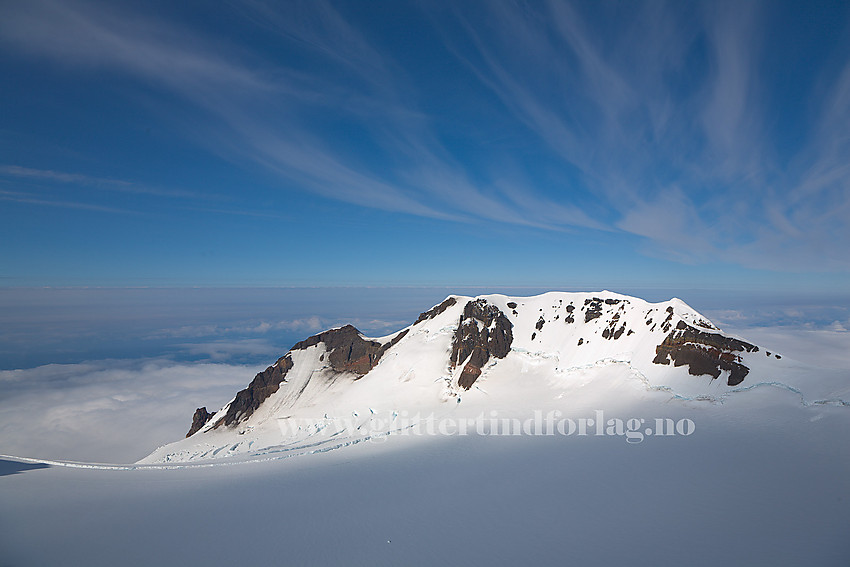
(201, 417)
(347, 350)
(483, 330)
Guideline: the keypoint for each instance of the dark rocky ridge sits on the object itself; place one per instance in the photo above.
(261, 387)
(436, 310)
(494, 338)
(704, 353)
(347, 350)
(201, 417)
(665, 326)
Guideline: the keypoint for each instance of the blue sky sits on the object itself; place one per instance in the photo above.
(569, 145)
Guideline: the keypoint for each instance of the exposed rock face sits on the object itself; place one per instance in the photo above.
(704, 353)
(483, 330)
(261, 387)
(394, 341)
(347, 350)
(201, 417)
(593, 309)
(540, 323)
(436, 310)
(612, 331)
(665, 326)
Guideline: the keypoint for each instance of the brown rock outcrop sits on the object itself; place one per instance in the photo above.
(347, 350)
(704, 353)
(201, 417)
(483, 331)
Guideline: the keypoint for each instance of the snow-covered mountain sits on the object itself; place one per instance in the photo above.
(493, 353)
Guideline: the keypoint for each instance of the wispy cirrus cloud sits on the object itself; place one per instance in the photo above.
(48, 175)
(663, 114)
(242, 91)
(63, 177)
(20, 197)
(39, 187)
(654, 120)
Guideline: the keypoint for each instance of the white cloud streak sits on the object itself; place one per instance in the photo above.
(63, 177)
(243, 91)
(684, 158)
(662, 117)
(19, 197)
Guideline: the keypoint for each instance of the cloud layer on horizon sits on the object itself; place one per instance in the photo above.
(113, 411)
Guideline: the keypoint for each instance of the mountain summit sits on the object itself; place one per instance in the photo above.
(490, 351)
